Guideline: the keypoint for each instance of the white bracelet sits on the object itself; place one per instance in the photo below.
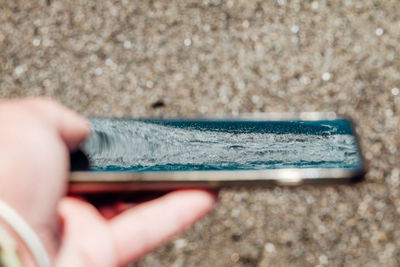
(8, 250)
(26, 233)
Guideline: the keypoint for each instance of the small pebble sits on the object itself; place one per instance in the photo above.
(326, 76)
(379, 31)
(295, 29)
(127, 44)
(36, 42)
(270, 248)
(19, 70)
(188, 42)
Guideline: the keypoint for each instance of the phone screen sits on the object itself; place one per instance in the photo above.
(154, 145)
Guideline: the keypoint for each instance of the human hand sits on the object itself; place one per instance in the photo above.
(36, 136)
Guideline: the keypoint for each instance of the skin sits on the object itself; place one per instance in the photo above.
(36, 136)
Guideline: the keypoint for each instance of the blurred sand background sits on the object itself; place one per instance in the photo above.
(146, 58)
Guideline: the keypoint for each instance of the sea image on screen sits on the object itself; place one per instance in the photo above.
(184, 145)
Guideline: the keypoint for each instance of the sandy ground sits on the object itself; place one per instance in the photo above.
(119, 58)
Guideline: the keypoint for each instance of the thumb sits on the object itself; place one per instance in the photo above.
(72, 127)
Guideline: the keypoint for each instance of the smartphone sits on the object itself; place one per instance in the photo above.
(255, 150)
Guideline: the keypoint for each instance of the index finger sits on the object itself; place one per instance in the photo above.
(148, 225)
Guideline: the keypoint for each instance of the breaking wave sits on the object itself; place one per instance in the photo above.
(146, 146)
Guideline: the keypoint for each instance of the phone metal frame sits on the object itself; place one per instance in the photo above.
(95, 182)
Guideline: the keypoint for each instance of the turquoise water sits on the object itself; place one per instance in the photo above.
(182, 145)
